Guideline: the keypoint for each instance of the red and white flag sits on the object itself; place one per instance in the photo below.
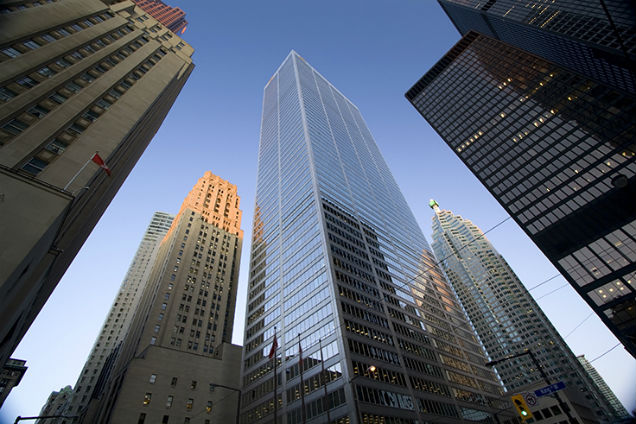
(272, 351)
(98, 160)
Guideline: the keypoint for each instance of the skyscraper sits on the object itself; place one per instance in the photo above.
(172, 17)
(557, 150)
(76, 77)
(121, 313)
(592, 38)
(177, 361)
(343, 282)
(616, 405)
(505, 316)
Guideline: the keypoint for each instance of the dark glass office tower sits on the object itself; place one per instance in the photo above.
(594, 38)
(557, 150)
(340, 269)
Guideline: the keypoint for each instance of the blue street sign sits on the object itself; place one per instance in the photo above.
(550, 389)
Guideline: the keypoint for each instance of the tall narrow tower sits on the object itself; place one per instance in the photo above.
(340, 269)
(176, 361)
(506, 318)
(121, 313)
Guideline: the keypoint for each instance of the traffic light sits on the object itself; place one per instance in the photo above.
(522, 407)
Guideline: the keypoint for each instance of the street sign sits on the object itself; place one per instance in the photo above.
(550, 389)
(530, 398)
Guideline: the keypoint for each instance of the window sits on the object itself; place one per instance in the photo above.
(31, 44)
(169, 401)
(186, 420)
(147, 398)
(208, 407)
(153, 378)
(165, 419)
(173, 383)
(193, 385)
(10, 51)
(142, 418)
(189, 404)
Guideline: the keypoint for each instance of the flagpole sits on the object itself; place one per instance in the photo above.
(324, 382)
(275, 381)
(302, 383)
(77, 173)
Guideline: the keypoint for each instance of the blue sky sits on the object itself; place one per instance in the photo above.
(373, 51)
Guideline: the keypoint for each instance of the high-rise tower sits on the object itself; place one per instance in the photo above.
(616, 405)
(172, 17)
(121, 313)
(76, 77)
(505, 316)
(593, 38)
(176, 362)
(340, 269)
(558, 151)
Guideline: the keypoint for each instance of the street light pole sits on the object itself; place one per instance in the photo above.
(371, 368)
(528, 352)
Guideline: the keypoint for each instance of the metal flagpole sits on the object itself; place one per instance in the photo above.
(324, 382)
(302, 383)
(275, 380)
(78, 172)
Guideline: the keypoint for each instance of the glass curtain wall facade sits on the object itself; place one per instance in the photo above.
(594, 38)
(506, 318)
(557, 151)
(342, 278)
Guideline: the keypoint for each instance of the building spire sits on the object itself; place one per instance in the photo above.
(434, 205)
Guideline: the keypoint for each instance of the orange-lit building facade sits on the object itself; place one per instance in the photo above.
(172, 18)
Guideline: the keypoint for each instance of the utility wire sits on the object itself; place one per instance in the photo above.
(545, 281)
(580, 324)
(550, 292)
(603, 354)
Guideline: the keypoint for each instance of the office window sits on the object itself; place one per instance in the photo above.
(165, 419)
(173, 383)
(193, 385)
(189, 404)
(169, 401)
(153, 378)
(142, 418)
(147, 398)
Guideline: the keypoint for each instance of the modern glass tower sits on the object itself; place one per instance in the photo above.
(343, 282)
(616, 405)
(557, 150)
(593, 38)
(506, 318)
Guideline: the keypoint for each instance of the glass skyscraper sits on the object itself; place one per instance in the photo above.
(506, 318)
(593, 38)
(557, 150)
(343, 282)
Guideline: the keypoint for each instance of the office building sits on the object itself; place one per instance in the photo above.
(343, 281)
(617, 407)
(121, 313)
(10, 376)
(557, 151)
(505, 316)
(177, 361)
(593, 38)
(76, 77)
(172, 18)
(56, 404)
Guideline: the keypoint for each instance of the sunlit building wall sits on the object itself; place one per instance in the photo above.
(558, 151)
(506, 318)
(177, 363)
(76, 77)
(340, 269)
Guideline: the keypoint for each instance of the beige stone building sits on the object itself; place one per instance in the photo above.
(176, 363)
(76, 77)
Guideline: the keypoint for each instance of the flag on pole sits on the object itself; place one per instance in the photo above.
(99, 161)
(272, 351)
